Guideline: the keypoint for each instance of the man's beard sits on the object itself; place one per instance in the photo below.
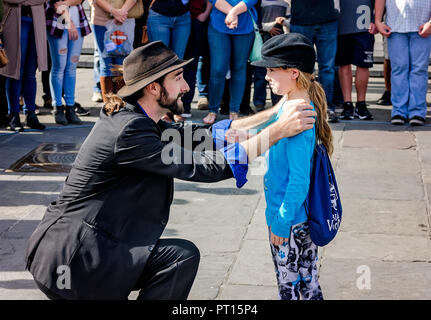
(170, 104)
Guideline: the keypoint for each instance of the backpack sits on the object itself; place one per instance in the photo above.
(323, 205)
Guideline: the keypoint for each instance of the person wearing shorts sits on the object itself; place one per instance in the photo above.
(355, 47)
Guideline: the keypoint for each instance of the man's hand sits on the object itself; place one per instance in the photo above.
(275, 31)
(384, 29)
(373, 29)
(237, 136)
(425, 30)
(280, 20)
(278, 241)
(297, 117)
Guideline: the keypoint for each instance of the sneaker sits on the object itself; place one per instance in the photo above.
(203, 103)
(385, 99)
(348, 111)
(362, 111)
(97, 97)
(80, 110)
(332, 116)
(259, 107)
(416, 121)
(398, 120)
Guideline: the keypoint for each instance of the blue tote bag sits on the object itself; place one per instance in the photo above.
(323, 204)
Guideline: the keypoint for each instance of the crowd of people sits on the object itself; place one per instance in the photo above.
(219, 35)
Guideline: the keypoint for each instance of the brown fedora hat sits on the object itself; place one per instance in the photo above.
(146, 64)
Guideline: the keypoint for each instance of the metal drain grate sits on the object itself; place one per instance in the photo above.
(48, 157)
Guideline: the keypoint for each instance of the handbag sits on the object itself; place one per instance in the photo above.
(256, 51)
(134, 13)
(3, 58)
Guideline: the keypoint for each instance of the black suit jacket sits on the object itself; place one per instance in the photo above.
(114, 206)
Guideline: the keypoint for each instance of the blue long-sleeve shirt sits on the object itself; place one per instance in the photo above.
(245, 23)
(287, 180)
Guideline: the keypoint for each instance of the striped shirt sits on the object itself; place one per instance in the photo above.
(53, 19)
(407, 15)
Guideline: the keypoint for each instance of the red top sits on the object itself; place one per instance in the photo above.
(197, 7)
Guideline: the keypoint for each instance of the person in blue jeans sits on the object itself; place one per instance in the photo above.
(169, 21)
(196, 47)
(101, 12)
(408, 29)
(65, 45)
(230, 37)
(317, 20)
(21, 73)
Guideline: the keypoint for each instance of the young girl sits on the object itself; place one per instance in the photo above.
(289, 60)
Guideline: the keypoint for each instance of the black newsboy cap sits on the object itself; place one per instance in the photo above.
(291, 50)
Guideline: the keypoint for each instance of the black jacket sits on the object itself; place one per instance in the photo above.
(114, 206)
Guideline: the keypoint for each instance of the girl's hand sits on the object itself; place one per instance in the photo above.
(59, 4)
(231, 20)
(278, 241)
(120, 15)
(73, 33)
(203, 17)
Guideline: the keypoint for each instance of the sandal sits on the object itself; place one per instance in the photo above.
(178, 118)
(233, 115)
(210, 118)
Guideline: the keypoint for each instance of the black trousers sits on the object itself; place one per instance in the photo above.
(168, 274)
(170, 271)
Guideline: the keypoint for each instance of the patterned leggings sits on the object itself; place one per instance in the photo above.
(296, 266)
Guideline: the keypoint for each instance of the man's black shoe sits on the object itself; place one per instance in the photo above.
(348, 110)
(416, 121)
(80, 110)
(33, 122)
(398, 120)
(385, 99)
(362, 111)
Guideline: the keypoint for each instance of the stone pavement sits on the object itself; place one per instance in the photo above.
(383, 250)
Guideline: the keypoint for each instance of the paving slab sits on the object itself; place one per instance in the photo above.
(388, 217)
(348, 279)
(382, 139)
(383, 247)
